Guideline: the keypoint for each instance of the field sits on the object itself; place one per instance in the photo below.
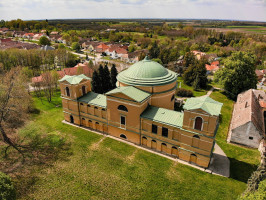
(243, 29)
(95, 167)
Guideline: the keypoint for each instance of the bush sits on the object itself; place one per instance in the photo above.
(7, 190)
(181, 92)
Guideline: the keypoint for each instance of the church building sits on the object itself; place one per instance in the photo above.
(141, 110)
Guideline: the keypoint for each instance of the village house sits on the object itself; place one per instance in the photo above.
(28, 35)
(101, 48)
(90, 45)
(78, 69)
(198, 54)
(213, 67)
(10, 44)
(141, 110)
(248, 119)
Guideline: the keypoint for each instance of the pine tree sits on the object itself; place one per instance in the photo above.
(113, 76)
(96, 86)
(101, 78)
(106, 82)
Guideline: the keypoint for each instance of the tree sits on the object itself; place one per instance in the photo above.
(14, 105)
(196, 75)
(101, 78)
(49, 83)
(106, 81)
(180, 25)
(75, 46)
(96, 82)
(189, 59)
(61, 46)
(154, 50)
(113, 76)
(238, 75)
(44, 41)
(7, 189)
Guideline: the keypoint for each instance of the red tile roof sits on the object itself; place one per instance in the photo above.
(248, 108)
(84, 69)
(211, 67)
(215, 63)
(102, 47)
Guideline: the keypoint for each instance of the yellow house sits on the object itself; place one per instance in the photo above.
(141, 110)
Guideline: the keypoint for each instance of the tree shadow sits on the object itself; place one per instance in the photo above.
(25, 173)
(240, 170)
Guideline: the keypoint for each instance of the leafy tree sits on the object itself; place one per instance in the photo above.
(96, 82)
(113, 76)
(7, 190)
(238, 75)
(154, 50)
(61, 46)
(76, 46)
(180, 25)
(189, 59)
(196, 75)
(44, 41)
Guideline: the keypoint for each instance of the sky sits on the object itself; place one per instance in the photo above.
(252, 10)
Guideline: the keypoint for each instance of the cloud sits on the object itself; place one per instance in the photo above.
(210, 9)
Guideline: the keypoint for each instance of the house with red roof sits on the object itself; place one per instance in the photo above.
(78, 69)
(28, 35)
(101, 48)
(248, 120)
(213, 67)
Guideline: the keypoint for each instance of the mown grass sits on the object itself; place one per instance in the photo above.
(243, 160)
(196, 93)
(103, 168)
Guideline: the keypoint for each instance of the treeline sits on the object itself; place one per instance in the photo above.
(37, 60)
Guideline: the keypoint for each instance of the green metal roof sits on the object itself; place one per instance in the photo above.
(94, 99)
(76, 79)
(205, 103)
(132, 92)
(165, 116)
(147, 73)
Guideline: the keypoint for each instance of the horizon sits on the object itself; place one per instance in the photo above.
(238, 10)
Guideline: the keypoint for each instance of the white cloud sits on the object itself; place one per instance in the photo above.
(211, 9)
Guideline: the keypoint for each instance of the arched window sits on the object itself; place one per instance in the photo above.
(95, 107)
(71, 119)
(123, 108)
(198, 123)
(81, 104)
(174, 151)
(123, 136)
(193, 158)
(196, 136)
(90, 121)
(173, 97)
(97, 123)
(103, 109)
(67, 92)
(83, 89)
(88, 106)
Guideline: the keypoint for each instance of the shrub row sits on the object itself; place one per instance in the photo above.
(181, 92)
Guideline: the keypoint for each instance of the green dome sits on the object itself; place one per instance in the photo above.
(147, 73)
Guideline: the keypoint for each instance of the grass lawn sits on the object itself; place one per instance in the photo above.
(195, 93)
(243, 160)
(102, 168)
